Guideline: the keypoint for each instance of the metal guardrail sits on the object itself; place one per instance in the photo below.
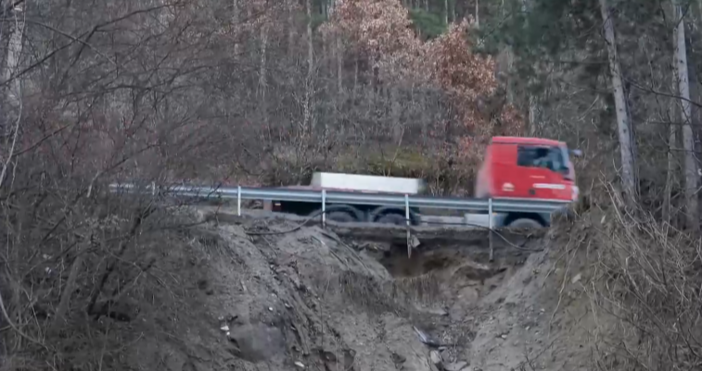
(357, 198)
(324, 197)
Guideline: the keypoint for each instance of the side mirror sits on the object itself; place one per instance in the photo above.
(576, 152)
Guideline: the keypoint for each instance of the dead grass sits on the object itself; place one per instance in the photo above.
(425, 288)
(644, 287)
(377, 296)
(68, 302)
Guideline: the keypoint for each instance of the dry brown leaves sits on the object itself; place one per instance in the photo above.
(382, 31)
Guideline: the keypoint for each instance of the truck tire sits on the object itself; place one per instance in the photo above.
(340, 217)
(525, 223)
(392, 218)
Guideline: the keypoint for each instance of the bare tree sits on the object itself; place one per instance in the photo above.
(12, 59)
(623, 120)
(691, 176)
(308, 118)
(671, 167)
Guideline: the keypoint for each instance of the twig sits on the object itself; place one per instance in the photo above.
(138, 220)
(15, 135)
(17, 330)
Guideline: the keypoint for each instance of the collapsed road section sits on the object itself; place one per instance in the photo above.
(251, 294)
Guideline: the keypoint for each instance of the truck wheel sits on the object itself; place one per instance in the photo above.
(340, 217)
(392, 218)
(525, 223)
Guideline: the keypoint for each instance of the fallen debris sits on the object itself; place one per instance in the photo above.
(435, 358)
(456, 366)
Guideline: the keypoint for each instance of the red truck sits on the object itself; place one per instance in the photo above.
(513, 167)
(529, 168)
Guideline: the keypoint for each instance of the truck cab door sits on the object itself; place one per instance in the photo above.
(538, 173)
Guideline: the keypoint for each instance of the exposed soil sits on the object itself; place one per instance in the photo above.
(263, 295)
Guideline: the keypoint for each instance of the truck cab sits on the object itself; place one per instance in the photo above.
(526, 168)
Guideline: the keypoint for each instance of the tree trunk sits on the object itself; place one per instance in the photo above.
(339, 65)
(670, 178)
(446, 11)
(532, 101)
(14, 50)
(691, 199)
(623, 123)
(395, 115)
(477, 13)
(263, 79)
(68, 290)
(307, 115)
(453, 11)
(291, 28)
(533, 115)
(325, 61)
(12, 105)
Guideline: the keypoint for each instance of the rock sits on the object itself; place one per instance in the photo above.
(438, 312)
(398, 359)
(257, 342)
(435, 357)
(299, 364)
(456, 366)
(414, 242)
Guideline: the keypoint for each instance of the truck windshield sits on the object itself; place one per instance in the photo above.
(558, 160)
(568, 172)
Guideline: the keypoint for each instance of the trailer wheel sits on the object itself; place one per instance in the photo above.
(525, 223)
(392, 218)
(340, 217)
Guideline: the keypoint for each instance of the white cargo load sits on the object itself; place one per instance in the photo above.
(367, 183)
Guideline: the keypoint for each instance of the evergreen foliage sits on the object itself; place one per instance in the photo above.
(428, 25)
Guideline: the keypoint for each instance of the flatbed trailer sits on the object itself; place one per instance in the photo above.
(365, 213)
(355, 212)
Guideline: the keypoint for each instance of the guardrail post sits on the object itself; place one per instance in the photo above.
(238, 200)
(492, 251)
(407, 219)
(324, 208)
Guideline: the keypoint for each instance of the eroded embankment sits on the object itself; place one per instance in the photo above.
(525, 310)
(256, 294)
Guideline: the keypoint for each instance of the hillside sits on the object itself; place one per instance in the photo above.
(252, 295)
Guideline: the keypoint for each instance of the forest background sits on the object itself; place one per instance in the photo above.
(256, 92)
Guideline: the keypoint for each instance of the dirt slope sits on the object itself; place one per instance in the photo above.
(525, 311)
(268, 300)
(265, 295)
